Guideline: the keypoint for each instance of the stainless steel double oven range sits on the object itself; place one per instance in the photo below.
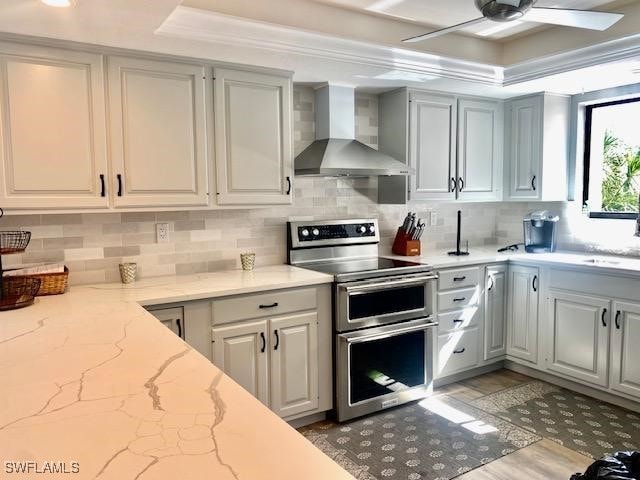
(383, 314)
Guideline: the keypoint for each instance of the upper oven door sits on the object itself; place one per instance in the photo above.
(382, 301)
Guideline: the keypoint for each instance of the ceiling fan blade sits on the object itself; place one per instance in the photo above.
(437, 33)
(572, 18)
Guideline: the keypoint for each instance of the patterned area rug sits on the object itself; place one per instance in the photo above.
(584, 424)
(440, 438)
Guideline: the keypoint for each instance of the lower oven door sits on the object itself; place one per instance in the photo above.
(381, 367)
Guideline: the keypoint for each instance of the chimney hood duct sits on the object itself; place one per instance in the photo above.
(335, 152)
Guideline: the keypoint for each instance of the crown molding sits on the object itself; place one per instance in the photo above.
(212, 27)
(606, 52)
(207, 26)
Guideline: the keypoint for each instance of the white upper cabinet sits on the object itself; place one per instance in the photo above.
(537, 133)
(578, 336)
(52, 129)
(432, 146)
(455, 144)
(158, 135)
(480, 143)
(253, 131)
(522, 313)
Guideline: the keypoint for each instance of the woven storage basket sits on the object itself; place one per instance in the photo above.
(50, 283)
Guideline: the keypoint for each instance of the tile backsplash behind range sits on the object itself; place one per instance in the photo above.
(93, 244)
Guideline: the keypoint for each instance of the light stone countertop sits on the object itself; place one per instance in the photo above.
(615, 265)
(91, 377)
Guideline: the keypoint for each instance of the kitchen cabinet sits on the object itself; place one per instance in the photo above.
(52, 129)
(537, 133)
(278, 345)
(522, 313)
(172, 318)
(455, 144)
(157, 114)
(578, 336)
(625, 356)
(459, 319)
(480, 145)
(495, 309)
(294, 364)
(241, 351)
(254, 147)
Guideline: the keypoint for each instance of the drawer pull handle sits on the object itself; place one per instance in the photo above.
(460, 299)
(459, 279)
(119, 178)
(277, 340)
(618, 319)
(103, 190)
(458, 320)
(534, 283)
(264, 342)
(459, 351)
(533, 183)
(491, 284)
(453, 184)
(604, 312)
(179, 327)
(271, 305)
(288, 185)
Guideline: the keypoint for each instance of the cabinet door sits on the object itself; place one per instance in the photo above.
(294, 364)
(522, 311)
(525, 124)
(172, 318)
(480, 141)
(432, 146)
(254, 151)
(241, 352)
(625, 356)
(52, 129)
(158, 140)
(578, 336)
(495, 308)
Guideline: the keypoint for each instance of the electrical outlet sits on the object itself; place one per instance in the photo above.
(433, 219)
(162, 232)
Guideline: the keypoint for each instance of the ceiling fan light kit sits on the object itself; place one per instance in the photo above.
(524, 10)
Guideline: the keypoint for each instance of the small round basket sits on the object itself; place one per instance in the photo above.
(18, 292)
(14, 242)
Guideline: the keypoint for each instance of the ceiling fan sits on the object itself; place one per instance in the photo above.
(523, 10)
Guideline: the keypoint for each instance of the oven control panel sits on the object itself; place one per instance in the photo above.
(331, 232)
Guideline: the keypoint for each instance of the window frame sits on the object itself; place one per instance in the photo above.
(586, 161)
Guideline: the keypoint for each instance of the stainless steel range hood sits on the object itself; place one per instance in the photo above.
(335, 152)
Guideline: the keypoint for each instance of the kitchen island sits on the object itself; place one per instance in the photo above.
(92, 382)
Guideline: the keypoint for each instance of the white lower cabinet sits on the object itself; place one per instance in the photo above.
(294, 364)
(457, 351)
(241, 352)
(522, 313)
(276, 360)
(495, 308)
(578, 336)
(625, 354)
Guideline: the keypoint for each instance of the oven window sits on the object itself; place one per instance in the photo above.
(382, 302)
(387, 365)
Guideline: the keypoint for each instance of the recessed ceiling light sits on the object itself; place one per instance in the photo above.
(59, 3)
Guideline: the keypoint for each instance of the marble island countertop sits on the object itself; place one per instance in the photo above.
(489, 254)
(91, 377)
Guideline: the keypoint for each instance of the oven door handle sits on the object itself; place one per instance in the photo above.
(386, 331)
(389, 284)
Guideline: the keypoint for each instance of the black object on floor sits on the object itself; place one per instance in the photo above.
(620, 466)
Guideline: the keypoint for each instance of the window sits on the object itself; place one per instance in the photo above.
(612, 159)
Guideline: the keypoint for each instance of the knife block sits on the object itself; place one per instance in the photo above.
(404, 245)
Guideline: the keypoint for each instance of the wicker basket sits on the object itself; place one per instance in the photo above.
(19, 292)
(14, 242)
(50, 283)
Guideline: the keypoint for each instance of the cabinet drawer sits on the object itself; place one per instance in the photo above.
(276, 302)
(458, 277)
(458, 319)
(457, 352)
(457, 299)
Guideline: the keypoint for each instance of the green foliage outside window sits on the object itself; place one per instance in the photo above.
(621, 183)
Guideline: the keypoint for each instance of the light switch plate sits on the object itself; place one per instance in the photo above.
(162, 232)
